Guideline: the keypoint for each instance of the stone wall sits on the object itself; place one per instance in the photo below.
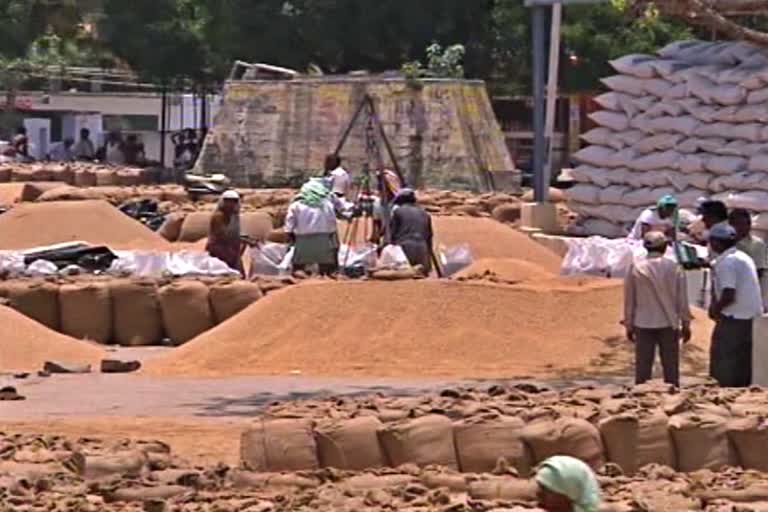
(276, 133)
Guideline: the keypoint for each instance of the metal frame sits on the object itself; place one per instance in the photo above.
(543, 118)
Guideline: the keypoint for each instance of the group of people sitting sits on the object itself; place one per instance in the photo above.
(656, 305)
(117, 150)
(312, 228)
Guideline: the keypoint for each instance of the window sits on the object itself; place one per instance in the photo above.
(131, 123)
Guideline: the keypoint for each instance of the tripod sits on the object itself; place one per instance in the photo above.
(364, 200)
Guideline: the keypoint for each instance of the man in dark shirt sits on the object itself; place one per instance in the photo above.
(412, 230)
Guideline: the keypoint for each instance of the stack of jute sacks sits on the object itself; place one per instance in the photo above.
(130, 312)
(698, 428)
(689, 122)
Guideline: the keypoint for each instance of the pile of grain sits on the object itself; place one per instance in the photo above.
(490, 239)
(425, 328)
(508, 270)
(32, 224)
(26, 344)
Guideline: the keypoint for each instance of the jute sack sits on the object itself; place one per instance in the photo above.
(255, 224)
(135, 312)
(564, 436)
(5, 175)
(39, 300)
(85, 178)
(171, 227)
(229, 298)
(350, 444)
(749, 437)
(86, 311)
(279, 445)
(481, 442)
(185, 309)
(503, 488)
(635, 439)
(701, 442)
(107, 178)
(423, 441)
(195, 227)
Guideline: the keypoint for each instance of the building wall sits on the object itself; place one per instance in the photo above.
(277, 133)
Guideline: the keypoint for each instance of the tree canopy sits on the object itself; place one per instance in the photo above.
(197, 40)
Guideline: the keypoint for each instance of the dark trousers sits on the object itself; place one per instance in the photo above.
(668, 341)
(730, 355)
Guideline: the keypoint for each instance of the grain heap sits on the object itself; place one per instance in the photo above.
(26, 345)
(32, 225)
(506, 270)
(490, 239)
(426, 328)
(689, 123)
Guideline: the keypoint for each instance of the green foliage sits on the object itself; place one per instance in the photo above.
(440, 63)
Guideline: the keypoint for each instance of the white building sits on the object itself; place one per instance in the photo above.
(51, 117)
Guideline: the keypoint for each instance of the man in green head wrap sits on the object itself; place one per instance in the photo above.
(567, 484)
(311, 223)
(658, 218)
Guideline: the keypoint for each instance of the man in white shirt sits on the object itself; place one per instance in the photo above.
(62, 152)
(658, 218)
(339, 178)
(736, 302)
(656, 311)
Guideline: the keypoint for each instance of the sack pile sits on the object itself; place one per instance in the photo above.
(130, 311)
(689, 122)
(516, 429)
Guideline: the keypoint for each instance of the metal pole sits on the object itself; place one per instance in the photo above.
(539, 57)
(552, 80)
(163, 124)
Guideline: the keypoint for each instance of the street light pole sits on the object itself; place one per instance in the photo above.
(538, 20)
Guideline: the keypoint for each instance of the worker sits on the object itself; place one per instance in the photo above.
(656, 312)
(114, 151)
(21, 145)
(736, 302)
(658, 218)
(224, 240)
(338, 176)
(712, 213)
(566, 484)
(411, 228)
(389, 185)
(311, 225)
(84, 149)
(63, 152)
(133, 150)
(741, 221)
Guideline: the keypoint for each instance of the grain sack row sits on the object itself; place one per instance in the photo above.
(194, 226)
(80, 174)
(690, 122)
(686, 442)
(130, 312)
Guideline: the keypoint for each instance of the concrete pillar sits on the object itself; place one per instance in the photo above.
(760, 351)
(540, 216)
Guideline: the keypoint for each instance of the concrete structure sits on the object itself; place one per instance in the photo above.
(277, 132)
(50, 117)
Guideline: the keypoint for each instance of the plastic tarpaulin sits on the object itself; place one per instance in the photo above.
(157, 264)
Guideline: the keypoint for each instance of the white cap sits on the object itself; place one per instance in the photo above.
(231, 194)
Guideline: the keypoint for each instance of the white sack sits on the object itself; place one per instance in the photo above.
(583, 194)
(631, 137)
(669, 68)
(614, 120)
(596, 156)
(658, 87)
(625, 84)
(599, 137)
(692, 163)
(682, 181)
(759, 96)
(637, 65)
(656, 178)
(726, 164)
(612, 195)
(659, 160)
(661, 142)
(646, 196)
(685, 125)
(758, 163)
(753, 200)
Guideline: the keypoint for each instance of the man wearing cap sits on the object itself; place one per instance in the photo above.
(658, 218)
(736, 301)
(656, 312)
(224, 240)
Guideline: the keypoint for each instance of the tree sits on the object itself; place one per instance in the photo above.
(721, 16)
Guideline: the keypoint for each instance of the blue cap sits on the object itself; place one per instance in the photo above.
(722, 231)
